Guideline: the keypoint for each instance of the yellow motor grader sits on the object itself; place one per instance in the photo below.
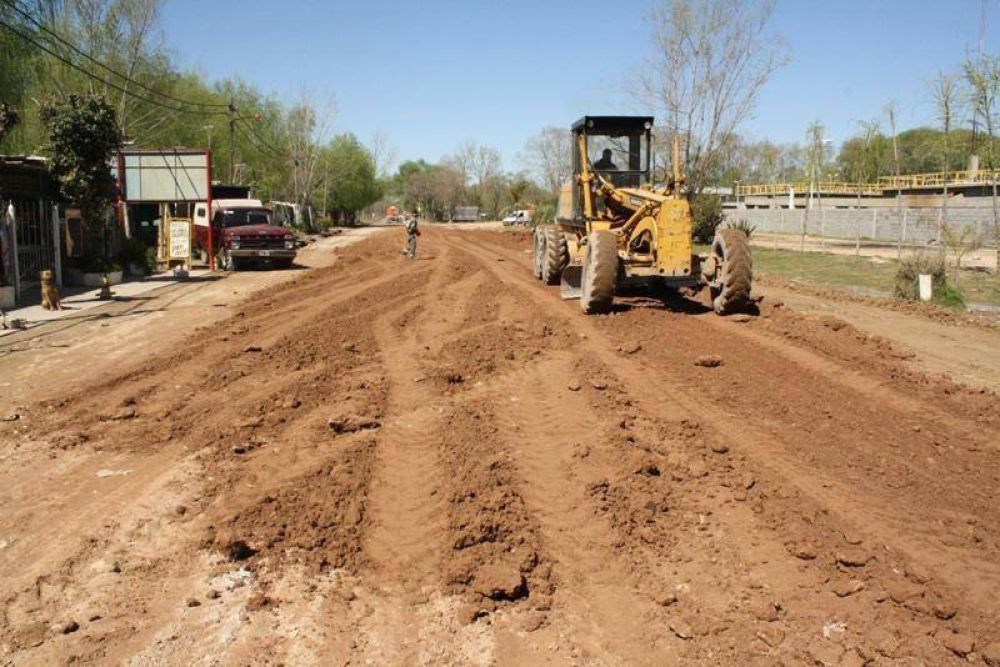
(615, 229)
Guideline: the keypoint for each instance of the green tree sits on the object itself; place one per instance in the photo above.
(83, 136)
(351, 183)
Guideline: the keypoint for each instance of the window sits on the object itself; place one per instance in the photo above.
(241, 218)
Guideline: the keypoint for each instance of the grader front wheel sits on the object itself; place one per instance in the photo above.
(556, 256)
(600, 273)
(730, 285)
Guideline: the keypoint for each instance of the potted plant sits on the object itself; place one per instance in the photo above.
(95, 268)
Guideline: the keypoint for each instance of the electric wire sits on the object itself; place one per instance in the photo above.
(54, 35)
(263, 150)
(276, 152)
(110, 84)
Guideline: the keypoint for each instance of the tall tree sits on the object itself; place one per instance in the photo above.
(83, 135)
(548, 156)
(349, 177)
(982, 77)
(710, 60)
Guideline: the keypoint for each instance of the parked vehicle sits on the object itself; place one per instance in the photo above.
(243, 234)
(465, 214)
(521, 217)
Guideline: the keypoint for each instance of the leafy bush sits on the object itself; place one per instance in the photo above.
(906, 285)
(744, 227)
(949, 297)
(544, 214)
(94, 264)
(706, 216)
(135, 252)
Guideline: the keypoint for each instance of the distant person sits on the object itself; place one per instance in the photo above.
(412, 232)
(605, 163)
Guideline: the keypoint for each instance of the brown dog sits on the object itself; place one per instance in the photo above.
(50, 293)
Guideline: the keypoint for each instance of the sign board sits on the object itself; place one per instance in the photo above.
(178, 239)
(165, 175)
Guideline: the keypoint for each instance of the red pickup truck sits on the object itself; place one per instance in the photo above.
(243, 234)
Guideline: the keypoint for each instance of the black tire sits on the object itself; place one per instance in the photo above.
(600, 273)
(734, 271)
(538, 255)
(556, 256)
(283, 263)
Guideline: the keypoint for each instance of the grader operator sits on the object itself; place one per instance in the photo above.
(615, 228)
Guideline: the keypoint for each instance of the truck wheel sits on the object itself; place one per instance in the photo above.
(538, 256)
(600, 273)
(283, 263)
(730, 289)
(556, 256)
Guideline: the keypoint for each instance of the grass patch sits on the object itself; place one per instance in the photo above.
(849, 272)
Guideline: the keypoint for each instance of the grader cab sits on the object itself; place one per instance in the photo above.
(614, 228)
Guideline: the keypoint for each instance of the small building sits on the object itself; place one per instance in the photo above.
(31, 229)
(156, 184)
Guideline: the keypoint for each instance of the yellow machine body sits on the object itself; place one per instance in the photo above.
(652, 225)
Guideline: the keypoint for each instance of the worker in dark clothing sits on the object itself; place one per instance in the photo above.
(605, 163)
(412, 232)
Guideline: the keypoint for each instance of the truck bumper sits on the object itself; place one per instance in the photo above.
(262, 253)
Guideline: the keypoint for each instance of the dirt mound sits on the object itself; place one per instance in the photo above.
(316, 518)
(439, 460)
(496, 551)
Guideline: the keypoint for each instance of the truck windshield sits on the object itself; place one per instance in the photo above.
(242, 218)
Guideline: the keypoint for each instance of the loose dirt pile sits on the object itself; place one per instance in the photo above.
(439, 461)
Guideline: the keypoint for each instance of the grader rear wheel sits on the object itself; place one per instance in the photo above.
(556, 256)
(730, 289)
(600, 273)
(538, 256)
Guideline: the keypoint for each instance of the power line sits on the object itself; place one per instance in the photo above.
(95, 77)
(276, 152)
(263, 149)
(54, 35)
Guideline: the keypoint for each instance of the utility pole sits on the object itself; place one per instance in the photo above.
(232, 140)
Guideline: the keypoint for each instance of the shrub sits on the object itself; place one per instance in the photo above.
(544, 214)
(706, 216)
(950, 297)
(906, 286)
(744, 227)
(134, 251)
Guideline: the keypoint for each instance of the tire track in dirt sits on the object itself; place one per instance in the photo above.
(550, 434)
(648, 516)
(759, 444)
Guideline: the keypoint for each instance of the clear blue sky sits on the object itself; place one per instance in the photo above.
(431, 73)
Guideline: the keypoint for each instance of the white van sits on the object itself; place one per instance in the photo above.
(522, 217)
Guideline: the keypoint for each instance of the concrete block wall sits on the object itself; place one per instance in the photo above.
(909, 225)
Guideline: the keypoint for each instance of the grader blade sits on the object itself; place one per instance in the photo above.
(569, 284)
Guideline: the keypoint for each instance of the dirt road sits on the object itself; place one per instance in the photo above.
(439, 461)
